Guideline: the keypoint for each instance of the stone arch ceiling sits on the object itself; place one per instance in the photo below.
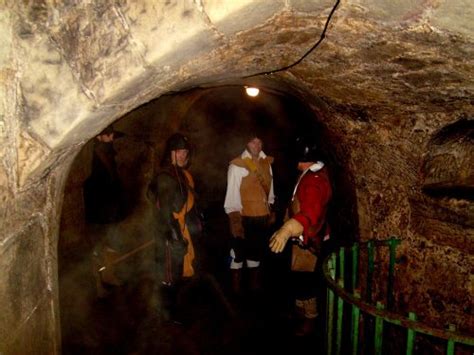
(76, 67)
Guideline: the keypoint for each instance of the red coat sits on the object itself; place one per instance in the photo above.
(313, 195)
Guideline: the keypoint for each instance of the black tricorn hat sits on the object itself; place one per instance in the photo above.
(177, 141)
(110, 129)
(307, 150)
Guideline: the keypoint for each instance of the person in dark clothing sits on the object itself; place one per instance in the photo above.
(104, 206)
(179, 224)
(102, 189)
(185, 295)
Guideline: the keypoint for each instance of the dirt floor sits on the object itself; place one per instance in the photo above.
(212, 320)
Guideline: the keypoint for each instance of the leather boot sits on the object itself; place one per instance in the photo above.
(299, 310)
(307, 325)
(254, 279)
(236, 280)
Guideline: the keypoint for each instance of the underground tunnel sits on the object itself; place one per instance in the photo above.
(384, 87)
(216, 120)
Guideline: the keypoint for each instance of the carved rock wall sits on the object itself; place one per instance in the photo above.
(389, 77)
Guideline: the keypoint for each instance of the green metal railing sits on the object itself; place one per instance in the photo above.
(349, 312)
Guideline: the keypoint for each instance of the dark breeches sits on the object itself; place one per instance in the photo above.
(256, 237)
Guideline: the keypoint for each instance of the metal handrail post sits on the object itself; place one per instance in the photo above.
(355, 326)
(330, 305)
(410, 335)
(378, 336)
(393, 243)
(340, 301)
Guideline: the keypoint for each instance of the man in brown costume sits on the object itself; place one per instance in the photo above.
(248, 199)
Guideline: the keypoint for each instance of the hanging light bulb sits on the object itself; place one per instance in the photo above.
(251, 91)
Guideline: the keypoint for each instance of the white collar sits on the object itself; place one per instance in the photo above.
(315, 167)
(246, 154)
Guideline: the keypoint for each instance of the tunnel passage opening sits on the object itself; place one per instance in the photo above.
(217, 120)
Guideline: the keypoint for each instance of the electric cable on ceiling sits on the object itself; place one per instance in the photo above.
(321, 38)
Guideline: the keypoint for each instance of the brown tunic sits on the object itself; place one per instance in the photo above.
(255, 187)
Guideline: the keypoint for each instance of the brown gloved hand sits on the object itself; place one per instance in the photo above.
(291, 228)
(235, 224)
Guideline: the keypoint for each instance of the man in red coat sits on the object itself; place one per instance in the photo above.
(307, 228)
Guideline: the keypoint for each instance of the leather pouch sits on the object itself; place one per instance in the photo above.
(302, 260)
